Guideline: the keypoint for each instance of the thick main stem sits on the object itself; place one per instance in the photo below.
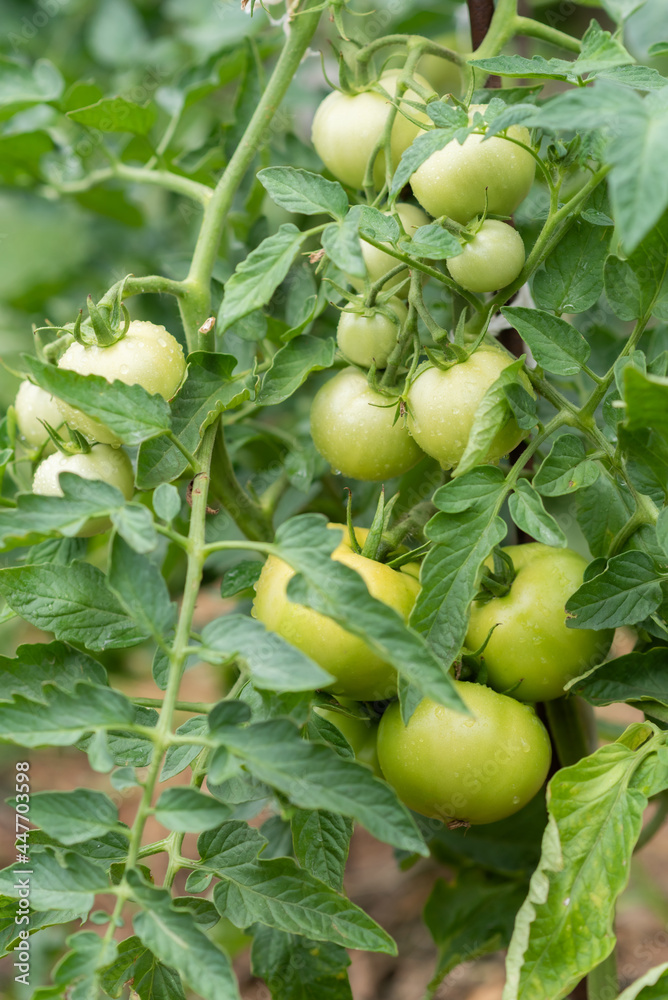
(196, 306)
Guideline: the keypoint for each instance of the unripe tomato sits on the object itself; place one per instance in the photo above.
(33, 405)
(492, 259)
(147, 355)
(352, 427)
(366, 335)
(476, 769)
(454, 179)
(360, 673)
(361, 734)
(442, 406)
(377, 261)
(111, 465)
(532, 647)
(347, 128)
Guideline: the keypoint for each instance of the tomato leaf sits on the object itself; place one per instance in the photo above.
(341, 243)
(565, 926)
(571, 279)
(303, 192)
(646, 397)
(64, 881)
(259, 275)
(464, 533)
(529, 514)
(133, 414)
(23, 86)
(74, 602)
(271, 661)
(291, 366)
(566, 469)
(638, 285)
(175, 938)
(40, 663)
(140, 587)
(73, 816)
(295, 968)
(555, 344)
(420, 150)
(187, 809)
(636, 679)
(626, 592)
(315, 777)
(321, 840)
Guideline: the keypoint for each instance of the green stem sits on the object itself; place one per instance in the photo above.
(535, 29)
(141, 175)
(246, 512)
(196, 306)
(571, 723)
(406, 336)
(177, 658)
(196, 707)
(602, 982)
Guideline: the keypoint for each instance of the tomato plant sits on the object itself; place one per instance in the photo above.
(333, 489)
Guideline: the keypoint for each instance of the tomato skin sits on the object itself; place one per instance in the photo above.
(360, 674)
(442, 407)
(444, 76)
(492, 259)
(378, 262)
(147, 355)
(352, 428)
(368, 337)
(346, 129)
(454, 179)
(533, 644)
(361, 734)
(33, 404)
(452, 766)
(111, 465)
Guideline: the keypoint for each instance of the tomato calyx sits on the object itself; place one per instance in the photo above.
(496, 582)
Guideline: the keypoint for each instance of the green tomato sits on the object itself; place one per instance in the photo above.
(453, 181)
(361, 734)
(367, 335)
(377, 261)
(442, 406)
(360, 673)
(147, 355)
(347, 128)
(477, 769)
(111, 465)
(492, 259)
(533, 653)
(353, 428)
(33, 405)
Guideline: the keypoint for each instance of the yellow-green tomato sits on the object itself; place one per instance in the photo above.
(453, 181)
(353, 428)
(361, 734)
(348, 127)
(368, 335)
(111, 465)
(33, 405)
(532, 653)
(492, 259)
(442, 406)
(477, 769)
(377, 261)
(360, 674)
(147, 355)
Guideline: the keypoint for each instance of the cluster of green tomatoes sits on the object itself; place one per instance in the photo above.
(482, 767)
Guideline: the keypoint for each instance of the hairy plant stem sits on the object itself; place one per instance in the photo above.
(546, 33)
(196, 306)
(177, 658)
(141, 175)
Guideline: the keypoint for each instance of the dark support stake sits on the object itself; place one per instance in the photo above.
(481, 13)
